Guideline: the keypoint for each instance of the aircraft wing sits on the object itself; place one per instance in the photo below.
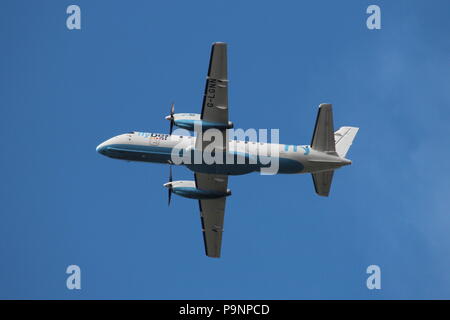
(212, 211)
(214, 109)
(215, 99)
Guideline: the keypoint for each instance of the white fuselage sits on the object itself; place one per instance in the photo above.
(245, 156)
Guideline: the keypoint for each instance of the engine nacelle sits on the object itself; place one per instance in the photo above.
(188, 121)
(187, 189)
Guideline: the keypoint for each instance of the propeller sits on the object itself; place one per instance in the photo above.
(169, 186)
(170, 117)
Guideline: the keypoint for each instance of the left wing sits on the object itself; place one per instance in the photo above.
(215, 99)
(212, 211)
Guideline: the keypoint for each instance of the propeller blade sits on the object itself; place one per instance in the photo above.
(172, 111)
(171, 126)
(170, 186)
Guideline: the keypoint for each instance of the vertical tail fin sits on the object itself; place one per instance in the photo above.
(344, 138)
(323, 136)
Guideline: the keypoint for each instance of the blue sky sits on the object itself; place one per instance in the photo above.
(63, 92)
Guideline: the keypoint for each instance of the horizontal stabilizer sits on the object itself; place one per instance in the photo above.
(344, 138)
(323, 137)
(322, 182)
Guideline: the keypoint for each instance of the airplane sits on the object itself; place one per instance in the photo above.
(325, 154)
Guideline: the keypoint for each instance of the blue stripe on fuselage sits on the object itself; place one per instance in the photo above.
(159, 154)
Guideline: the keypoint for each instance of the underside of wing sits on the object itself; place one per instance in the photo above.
(212, 212)
(215, 115)
(215, 99)
(215, 102)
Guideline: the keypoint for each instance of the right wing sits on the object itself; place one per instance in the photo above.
(212, 211)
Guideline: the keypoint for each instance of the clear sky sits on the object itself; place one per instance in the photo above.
(63, 92)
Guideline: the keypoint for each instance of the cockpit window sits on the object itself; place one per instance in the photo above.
(131, 132)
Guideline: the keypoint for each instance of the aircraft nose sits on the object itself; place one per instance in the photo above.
(101, 148)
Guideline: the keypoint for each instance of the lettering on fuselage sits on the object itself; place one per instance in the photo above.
(156, 136)
(306, 148)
